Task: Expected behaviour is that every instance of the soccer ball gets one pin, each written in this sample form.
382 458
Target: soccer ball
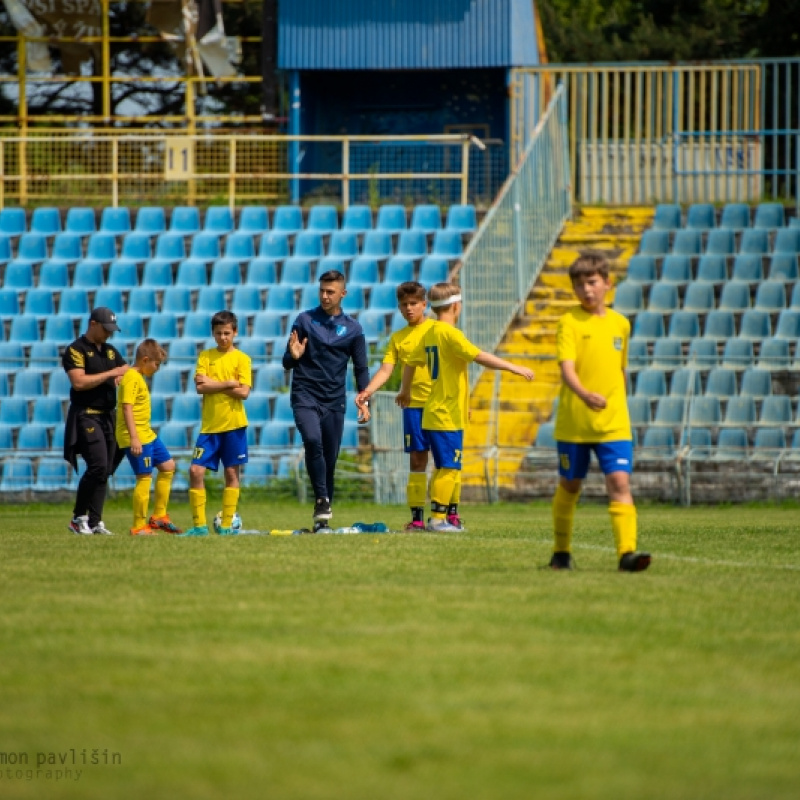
236 524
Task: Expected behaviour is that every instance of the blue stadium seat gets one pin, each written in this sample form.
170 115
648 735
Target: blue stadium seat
157 274
649 325
17 475
774 354
163 328
787 242
776 410
88 274
174 435
721 382
700 216
9 304
413 244
687 243
364 271
732 445
755 242
101 247
280 298
699 442
136 247
240 246
116 221
44 357
755 324
794 222
654 243
667 217
657 444
67 248
182 353
628 298
170 247
391 219
323 219
274 245
275 435
699 297
288 220
211 299
131 326
462 218
373 324
426 219
270 379
5 249
735 296
357 219
7 436
350 435
353 301
14 410
257 472
59 384
703 353
73 303
447 244
769 215
168 381
192 274
685 381
639 410
123 275
677 270
328 263
308 245
31 249
204 247
48 411
344 245
296 271
226 272
377 244
641 269
383 298
218 220
108 296
5 388
720 242
283 409
13 221
46 220
52 475
771 296
309 296
756 382
151 220
81 221
398 322
712 269
740 411
268 325
185 220
186 409
769 443
705 411
24 329
399 270
684 326
53 275
60 330
433 269
651 383
256 348
736 216
262 271
738 354
638 356
663 298
246 300
254 220
28 383
258 408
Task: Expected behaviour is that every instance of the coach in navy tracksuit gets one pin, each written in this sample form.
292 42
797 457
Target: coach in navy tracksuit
321 343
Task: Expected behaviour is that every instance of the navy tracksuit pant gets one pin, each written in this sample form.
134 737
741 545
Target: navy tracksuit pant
321 429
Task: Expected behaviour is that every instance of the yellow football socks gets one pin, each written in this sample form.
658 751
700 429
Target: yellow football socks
443 485
230 499
197 502
417 489
564 504
141 497
623 523
163 488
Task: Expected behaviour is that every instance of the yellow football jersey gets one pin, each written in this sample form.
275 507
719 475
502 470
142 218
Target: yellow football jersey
221 412
133 391
401 344
447 353
599 348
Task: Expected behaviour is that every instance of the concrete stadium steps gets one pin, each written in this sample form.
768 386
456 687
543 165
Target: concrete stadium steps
523 406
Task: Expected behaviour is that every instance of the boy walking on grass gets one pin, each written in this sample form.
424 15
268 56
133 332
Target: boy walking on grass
144 450
592 344
224 378
447 353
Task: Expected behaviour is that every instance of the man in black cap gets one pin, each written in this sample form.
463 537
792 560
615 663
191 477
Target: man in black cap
94 368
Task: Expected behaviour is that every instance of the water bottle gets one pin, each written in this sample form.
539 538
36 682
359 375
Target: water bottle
371 527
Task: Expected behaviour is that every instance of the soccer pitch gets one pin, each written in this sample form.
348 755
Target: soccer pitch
398 666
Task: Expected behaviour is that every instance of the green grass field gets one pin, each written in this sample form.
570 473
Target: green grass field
402 666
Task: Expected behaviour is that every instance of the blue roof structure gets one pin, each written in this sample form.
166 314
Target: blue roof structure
406 34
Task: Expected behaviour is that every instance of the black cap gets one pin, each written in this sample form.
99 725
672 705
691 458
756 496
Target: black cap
106 317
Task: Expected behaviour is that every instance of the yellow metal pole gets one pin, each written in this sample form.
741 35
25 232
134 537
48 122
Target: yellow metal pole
191 128
232 173
115 172
464 172
106 62
22 151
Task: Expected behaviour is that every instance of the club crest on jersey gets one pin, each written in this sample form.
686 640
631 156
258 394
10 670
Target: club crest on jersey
618 343
341 330
110 355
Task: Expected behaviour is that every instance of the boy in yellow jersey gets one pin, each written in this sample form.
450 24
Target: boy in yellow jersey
137 440
447 353
412 302
592 343
224 378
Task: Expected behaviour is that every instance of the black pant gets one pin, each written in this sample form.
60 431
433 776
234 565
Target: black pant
97 445
321 429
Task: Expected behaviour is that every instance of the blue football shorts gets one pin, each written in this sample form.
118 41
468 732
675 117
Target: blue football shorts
230 447
447 448
573 458
415 440
153 453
